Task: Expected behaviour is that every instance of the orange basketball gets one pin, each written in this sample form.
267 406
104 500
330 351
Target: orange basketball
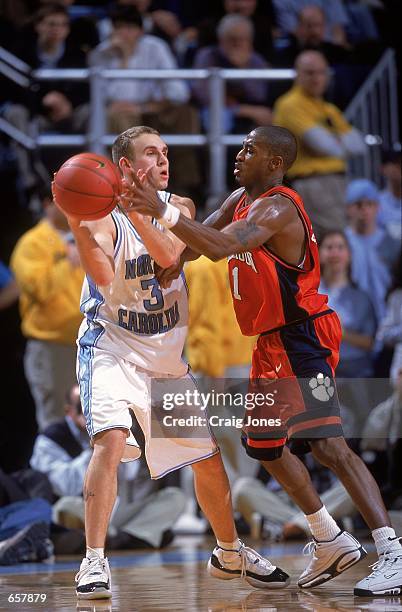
87 186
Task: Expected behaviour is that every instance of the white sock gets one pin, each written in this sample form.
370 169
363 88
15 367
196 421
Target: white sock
235 545
385 540
95 552
322 525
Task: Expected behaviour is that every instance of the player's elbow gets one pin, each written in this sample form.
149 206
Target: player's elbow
104 278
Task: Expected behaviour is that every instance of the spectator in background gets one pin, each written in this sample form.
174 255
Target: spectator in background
246 101
58 105
287 13
259 12
9 291
325 141
161 104
390 212
381 443
309 34
348 71
358 321
46 265
389 334
157 22
62 452
352 305
374 251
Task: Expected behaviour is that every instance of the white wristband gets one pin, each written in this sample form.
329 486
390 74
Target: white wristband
170 217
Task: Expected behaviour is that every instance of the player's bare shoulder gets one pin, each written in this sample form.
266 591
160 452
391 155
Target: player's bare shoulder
184 204
273 207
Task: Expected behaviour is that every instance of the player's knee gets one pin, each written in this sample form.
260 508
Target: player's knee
110 444
212 465
332 452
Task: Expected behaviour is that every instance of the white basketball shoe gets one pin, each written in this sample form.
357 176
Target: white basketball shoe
246 563
329 559
386 577
93 579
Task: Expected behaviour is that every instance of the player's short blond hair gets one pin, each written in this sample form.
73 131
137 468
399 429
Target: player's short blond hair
122 146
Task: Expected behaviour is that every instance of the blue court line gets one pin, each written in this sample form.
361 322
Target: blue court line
154 558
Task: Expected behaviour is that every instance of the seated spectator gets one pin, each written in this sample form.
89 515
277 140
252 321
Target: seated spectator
389 334
287 13
162 104
46 266
374 251
260 13
245 100
348 70
381 442
309 34
62 452
270 512
352 305
325 141
358 321
390 212
58 105
158 22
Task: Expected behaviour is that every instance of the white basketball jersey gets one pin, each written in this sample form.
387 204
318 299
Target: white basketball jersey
133 317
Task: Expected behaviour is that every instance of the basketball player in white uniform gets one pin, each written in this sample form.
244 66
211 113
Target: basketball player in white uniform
132 333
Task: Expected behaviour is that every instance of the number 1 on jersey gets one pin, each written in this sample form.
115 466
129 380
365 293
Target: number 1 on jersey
235 272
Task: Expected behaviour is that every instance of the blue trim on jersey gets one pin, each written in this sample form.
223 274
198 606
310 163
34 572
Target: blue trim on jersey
86 344
132 228
119 233
177 467
183 276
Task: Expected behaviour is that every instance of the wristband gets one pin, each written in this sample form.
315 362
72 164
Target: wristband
170 217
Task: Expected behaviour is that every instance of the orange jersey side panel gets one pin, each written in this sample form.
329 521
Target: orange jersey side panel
268 292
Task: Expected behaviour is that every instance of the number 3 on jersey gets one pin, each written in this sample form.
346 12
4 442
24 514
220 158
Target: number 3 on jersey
235 272
156 293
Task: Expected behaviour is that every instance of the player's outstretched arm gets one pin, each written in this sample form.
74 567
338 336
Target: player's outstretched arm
266 217
164 247
95 243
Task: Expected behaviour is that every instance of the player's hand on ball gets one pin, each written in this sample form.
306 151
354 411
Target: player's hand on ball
140 194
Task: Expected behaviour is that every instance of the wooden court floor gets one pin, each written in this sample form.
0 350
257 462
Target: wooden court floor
176 580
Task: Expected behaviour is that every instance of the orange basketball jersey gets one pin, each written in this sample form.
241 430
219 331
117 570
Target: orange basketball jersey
268 292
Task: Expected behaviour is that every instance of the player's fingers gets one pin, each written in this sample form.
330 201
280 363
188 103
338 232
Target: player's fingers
151 175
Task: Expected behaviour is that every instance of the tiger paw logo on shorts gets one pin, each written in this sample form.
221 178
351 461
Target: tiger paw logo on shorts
321 387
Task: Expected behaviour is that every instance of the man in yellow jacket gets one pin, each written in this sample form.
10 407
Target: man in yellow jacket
215 346
46 266
325 142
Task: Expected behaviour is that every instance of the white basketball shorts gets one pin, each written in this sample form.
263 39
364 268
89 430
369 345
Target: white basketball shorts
111 387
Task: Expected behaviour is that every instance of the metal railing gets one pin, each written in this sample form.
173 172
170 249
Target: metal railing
373 110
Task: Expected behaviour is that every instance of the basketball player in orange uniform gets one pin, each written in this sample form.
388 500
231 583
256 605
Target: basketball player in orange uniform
267 236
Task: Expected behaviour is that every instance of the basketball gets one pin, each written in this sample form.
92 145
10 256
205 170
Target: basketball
87 186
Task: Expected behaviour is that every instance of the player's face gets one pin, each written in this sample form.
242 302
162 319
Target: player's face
252 162
150 150
334 252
